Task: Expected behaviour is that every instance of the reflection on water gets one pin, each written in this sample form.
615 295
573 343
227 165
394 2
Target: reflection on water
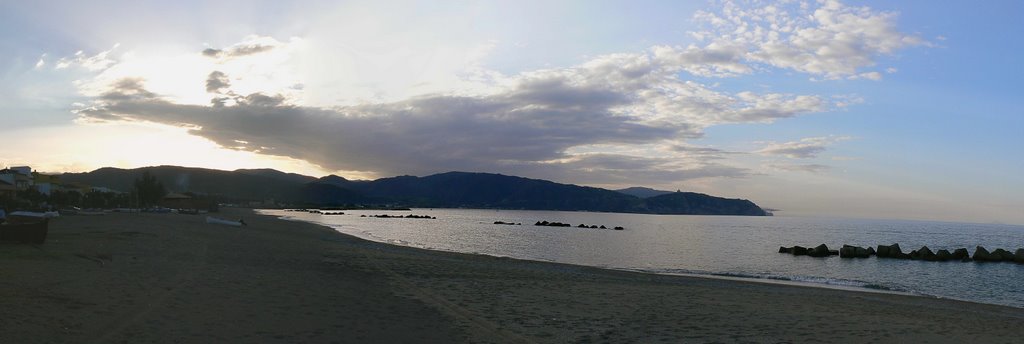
715 245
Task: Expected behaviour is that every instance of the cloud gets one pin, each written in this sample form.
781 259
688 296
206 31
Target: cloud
718 59
702 153
619 169
619 100
803 149
809 168
834 40
217 81
639 106
41 62
94 63
249 46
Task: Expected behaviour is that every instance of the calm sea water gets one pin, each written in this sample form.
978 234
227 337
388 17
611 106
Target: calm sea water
713 245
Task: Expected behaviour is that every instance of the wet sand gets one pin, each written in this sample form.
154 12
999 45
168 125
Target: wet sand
142 278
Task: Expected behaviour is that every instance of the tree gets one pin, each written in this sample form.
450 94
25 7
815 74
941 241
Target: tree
149 190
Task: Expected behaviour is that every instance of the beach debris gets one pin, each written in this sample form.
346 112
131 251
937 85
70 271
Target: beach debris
507 223
100 258
220 221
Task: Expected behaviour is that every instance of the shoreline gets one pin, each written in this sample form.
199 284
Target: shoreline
174 278
708 275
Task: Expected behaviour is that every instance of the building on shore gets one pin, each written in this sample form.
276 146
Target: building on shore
20 177
45 183
7 190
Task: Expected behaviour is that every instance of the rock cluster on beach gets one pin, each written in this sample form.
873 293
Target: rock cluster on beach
924 253
410 216
559 224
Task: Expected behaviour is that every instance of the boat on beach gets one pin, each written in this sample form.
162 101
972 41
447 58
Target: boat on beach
25 227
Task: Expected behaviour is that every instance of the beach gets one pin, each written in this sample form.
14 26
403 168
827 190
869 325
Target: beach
141 278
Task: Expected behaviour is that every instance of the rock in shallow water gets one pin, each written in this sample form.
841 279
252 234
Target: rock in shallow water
926 253
1002 255
847 251
882 251
981 255
819 251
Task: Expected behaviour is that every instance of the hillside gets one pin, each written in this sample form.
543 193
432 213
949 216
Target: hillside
642 192
229 185
445 190
691 203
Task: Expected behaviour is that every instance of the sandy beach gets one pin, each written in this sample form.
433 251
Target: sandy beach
143 278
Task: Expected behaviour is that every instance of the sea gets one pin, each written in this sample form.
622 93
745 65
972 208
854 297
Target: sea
743 247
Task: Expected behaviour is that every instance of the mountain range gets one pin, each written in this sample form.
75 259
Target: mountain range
444 190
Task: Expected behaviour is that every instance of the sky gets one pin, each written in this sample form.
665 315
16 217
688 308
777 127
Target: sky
864 109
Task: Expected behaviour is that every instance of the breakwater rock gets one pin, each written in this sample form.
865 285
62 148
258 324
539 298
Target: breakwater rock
924 253
559 224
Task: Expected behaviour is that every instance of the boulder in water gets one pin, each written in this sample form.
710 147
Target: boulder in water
799 251
943 255
871 251
926 254
784 249
981 255
1002 255
961 254
847 251
819 251
1018 257
882 251
893 251
861 252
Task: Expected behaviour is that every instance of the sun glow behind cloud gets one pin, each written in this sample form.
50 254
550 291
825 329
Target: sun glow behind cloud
130 145
337 99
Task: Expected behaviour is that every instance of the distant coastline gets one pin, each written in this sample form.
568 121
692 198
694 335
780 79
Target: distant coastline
269 188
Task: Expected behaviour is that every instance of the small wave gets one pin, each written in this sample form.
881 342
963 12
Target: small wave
813 281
